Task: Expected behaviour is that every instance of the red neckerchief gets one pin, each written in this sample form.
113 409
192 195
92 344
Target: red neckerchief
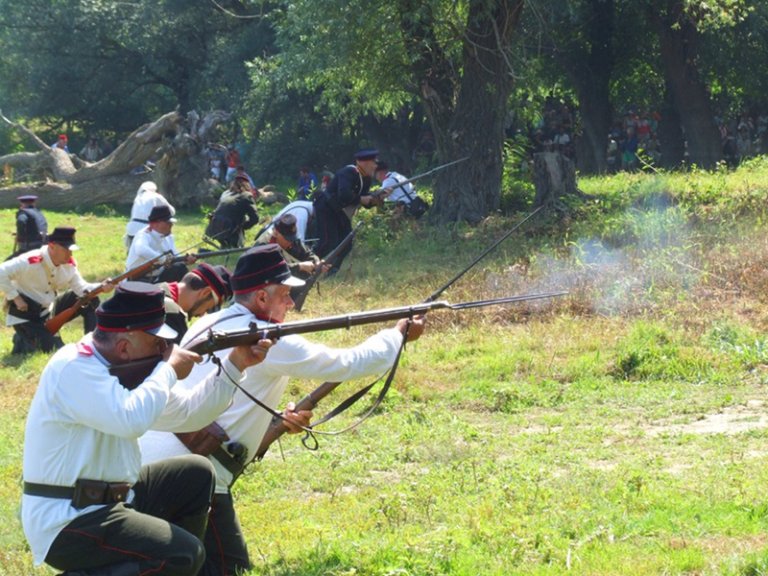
173 290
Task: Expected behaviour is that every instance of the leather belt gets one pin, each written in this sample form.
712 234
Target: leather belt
83 493
49 490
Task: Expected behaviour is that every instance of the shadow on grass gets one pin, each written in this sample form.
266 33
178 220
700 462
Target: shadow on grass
14 360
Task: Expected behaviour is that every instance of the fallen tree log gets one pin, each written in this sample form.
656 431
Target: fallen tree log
176 145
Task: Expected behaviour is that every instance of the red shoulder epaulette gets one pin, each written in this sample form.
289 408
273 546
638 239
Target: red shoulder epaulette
72 261
84 349
35 259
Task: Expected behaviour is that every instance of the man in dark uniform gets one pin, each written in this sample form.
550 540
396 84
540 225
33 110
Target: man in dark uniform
199 291
31 226
235 213
334 207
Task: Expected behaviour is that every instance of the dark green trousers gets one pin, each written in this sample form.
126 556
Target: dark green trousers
160 532
225 549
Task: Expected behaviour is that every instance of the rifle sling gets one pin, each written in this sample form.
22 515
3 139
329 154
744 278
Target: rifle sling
362 392
225 459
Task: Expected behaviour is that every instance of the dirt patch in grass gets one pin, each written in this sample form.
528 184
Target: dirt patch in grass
730 420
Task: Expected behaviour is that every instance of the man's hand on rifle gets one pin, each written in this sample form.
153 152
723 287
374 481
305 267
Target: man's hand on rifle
249 354
107 286
375 199
307 267
180 359
21 304
294 420
416 329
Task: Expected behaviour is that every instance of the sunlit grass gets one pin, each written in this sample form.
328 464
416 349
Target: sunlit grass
564 437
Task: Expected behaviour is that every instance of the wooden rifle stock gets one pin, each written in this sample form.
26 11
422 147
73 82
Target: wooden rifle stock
277 427
301 295
54 324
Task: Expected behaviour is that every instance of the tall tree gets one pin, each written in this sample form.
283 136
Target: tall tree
676 26
581 37
451 57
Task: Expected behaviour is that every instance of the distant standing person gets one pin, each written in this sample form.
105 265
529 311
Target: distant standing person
61 143
147 197
308 184
349 188
234 214
31 225
91 151
232 159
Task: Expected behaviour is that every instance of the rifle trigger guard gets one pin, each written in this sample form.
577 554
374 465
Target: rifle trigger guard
314 445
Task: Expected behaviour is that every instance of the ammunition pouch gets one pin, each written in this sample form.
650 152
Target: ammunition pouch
417 207
90 492
205 441
34 312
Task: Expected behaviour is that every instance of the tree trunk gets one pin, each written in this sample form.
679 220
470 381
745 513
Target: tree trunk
592 76
554 176
671 137
475 125
677 40
177 144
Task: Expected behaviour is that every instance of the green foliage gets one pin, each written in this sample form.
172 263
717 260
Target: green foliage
739 342
115 65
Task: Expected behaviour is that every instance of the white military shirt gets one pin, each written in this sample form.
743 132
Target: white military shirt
303 210
83 423
391 180
147 198
295 356
35 275
148 244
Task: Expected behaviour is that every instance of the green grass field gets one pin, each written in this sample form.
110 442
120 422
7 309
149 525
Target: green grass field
620 430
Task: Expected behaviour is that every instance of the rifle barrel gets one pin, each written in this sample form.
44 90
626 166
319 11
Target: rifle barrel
219 340
485 253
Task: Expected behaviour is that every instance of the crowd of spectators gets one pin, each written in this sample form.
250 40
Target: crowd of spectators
743 136
633 138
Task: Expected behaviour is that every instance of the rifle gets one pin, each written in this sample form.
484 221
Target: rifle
303 292
54 324
428 172
210 253
133 373
277 427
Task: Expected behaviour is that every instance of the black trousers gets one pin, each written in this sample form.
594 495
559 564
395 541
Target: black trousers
225 548
32 336
332 227
159 533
